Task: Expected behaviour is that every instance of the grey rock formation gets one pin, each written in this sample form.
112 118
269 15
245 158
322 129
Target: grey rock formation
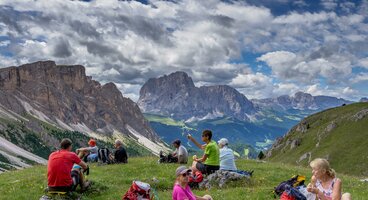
60 93
175 95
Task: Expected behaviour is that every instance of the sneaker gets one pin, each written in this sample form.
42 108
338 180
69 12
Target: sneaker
86 185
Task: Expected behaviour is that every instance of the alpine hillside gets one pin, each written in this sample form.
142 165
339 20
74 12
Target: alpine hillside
338 134
42 102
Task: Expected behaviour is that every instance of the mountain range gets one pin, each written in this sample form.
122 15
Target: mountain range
224 110
41 101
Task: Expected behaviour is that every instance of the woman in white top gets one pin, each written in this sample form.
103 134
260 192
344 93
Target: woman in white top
227 160
324 182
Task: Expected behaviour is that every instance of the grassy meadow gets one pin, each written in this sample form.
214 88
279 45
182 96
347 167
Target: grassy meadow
112 181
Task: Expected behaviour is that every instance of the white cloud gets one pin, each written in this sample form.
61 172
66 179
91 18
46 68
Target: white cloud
363 62
340 92
359 78
128 42
288 66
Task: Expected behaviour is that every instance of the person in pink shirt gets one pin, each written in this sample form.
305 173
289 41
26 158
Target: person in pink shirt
181 190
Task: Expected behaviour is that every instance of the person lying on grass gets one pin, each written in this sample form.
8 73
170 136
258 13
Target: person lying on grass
181 190
324 182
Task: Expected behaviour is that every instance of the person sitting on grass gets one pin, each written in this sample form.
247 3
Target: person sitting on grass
120 154
90 153
59 168
210 161
324 182
180 155
227 160
181 190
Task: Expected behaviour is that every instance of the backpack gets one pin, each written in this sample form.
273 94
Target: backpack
103 155
294 181
138 191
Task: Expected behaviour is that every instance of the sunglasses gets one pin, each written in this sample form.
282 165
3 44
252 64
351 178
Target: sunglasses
184 175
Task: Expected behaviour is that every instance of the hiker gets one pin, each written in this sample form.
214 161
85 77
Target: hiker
180 155
180 152
181 190
120 154
90 153
59 168
227 160
324 182
210 161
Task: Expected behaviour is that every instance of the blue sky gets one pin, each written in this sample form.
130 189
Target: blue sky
263 48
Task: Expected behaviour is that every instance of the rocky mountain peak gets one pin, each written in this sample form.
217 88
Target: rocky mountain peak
175 95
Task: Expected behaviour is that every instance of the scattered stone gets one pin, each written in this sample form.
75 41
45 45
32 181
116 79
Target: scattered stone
360 115
295 143
331 127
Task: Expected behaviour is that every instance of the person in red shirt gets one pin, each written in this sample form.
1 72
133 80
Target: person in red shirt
59 167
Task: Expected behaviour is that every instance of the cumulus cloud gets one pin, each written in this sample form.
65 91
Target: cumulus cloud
128 42
288 66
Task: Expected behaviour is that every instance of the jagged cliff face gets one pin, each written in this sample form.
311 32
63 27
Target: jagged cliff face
65 97
175 95
300 101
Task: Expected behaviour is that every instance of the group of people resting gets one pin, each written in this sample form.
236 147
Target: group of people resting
64 163
324 183
215 157
60 166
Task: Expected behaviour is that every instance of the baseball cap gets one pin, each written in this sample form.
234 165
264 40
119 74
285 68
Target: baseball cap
223 141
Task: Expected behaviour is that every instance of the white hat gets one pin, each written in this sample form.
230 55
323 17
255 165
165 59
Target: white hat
223 141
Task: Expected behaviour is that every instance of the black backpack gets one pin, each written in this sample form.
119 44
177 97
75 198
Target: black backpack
103 155
295 181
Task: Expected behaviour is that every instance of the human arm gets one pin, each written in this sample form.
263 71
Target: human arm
195 142
83 165
201 198
336 191
203 159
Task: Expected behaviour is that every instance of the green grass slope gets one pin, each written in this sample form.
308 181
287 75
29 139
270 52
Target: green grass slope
339 134
112 181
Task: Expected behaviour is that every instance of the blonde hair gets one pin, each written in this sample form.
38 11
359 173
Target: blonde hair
321 163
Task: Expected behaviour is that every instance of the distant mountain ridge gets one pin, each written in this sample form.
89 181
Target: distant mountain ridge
64 97
300 101
175 95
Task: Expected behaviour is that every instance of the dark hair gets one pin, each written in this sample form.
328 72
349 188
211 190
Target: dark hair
207 133
65 143
178 142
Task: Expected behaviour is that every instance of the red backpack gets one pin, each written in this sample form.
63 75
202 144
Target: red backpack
138 191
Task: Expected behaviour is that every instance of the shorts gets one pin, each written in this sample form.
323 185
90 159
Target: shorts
207 169
92 157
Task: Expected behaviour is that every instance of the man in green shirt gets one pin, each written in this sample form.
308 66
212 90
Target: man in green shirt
210 161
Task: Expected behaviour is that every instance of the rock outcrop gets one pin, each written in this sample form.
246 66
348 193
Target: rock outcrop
63 95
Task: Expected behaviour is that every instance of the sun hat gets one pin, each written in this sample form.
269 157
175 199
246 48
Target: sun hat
182 170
